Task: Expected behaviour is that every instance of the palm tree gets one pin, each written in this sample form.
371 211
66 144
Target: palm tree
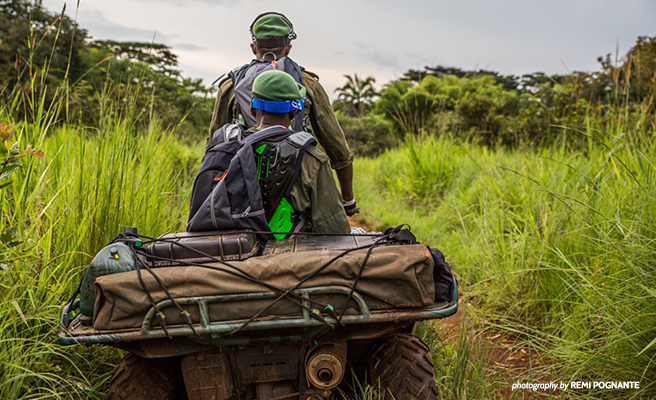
357 92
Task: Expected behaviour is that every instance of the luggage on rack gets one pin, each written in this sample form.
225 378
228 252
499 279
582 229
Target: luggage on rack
394 277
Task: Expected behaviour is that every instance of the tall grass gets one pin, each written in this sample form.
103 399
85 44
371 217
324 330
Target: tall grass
553 245
63 209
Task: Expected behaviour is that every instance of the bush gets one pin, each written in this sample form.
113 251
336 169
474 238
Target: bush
368 136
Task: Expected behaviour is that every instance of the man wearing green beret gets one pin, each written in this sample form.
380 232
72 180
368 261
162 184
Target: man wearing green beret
271 35
277 99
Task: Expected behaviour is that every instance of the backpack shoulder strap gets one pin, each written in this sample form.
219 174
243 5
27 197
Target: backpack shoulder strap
238 73
300 140
227 133
266 134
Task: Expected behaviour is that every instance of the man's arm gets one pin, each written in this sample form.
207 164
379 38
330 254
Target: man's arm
345 178
315 194
329 134
328 214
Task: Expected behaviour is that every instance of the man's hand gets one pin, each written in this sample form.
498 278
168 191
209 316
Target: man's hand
350 207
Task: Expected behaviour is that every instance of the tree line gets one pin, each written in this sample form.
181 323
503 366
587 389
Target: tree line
102 78
494 109
99 78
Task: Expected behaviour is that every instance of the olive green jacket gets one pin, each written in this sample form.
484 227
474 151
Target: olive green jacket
324 124
315 194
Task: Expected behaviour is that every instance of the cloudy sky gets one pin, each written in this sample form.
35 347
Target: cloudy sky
381 38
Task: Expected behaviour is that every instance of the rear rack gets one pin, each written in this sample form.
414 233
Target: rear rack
217 328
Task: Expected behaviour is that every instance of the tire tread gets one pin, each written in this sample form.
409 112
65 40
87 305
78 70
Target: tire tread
402 367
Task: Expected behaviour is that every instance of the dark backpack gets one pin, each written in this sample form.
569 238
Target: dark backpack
238 170
442 277
242 81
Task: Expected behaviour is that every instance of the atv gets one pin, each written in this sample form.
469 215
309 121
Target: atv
217 315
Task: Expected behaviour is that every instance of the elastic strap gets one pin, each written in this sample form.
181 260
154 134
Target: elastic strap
277 106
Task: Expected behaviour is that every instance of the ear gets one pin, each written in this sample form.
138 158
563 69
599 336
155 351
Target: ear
292 114
254 112
287 49
254 49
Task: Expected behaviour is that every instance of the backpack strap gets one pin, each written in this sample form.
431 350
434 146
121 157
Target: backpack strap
228 133
266 134
302 140
285 217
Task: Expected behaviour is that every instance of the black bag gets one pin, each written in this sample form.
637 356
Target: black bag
442 277
227 193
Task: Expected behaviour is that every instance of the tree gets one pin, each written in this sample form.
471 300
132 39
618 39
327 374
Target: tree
360 93
31 38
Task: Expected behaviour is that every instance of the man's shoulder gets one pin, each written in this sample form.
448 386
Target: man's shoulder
313 161
311 82
310 75
315 91
317 154
225 85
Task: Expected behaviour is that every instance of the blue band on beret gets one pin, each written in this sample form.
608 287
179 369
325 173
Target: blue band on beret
279 107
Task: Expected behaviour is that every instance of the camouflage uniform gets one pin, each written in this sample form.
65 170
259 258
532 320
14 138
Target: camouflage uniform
325 127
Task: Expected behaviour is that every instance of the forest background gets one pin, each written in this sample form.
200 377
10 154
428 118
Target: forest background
540 190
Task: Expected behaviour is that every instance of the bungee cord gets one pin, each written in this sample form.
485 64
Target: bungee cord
391 236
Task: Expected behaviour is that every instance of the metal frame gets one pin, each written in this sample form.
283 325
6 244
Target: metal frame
215 329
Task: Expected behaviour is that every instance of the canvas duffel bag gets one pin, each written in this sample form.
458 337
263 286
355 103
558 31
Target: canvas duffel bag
394 277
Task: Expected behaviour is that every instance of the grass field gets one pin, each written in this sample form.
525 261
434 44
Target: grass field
56 213
553 247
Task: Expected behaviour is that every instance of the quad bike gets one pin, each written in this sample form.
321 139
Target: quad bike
218 316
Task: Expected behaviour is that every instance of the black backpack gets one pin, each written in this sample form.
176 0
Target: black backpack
245 181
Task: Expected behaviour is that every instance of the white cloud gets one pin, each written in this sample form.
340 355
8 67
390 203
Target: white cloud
383 38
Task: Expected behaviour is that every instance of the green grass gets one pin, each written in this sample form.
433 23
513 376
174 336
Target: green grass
553 246
62 210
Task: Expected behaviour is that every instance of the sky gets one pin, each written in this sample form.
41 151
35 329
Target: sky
382 38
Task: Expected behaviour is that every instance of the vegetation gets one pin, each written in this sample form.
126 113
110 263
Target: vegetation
540 191
67 189
487 108
357 94
94 74
554 247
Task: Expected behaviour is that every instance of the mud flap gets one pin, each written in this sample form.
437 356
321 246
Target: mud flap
207 375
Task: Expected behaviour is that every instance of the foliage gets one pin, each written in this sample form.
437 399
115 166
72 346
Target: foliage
55 215
466 106
57 212
554 246
31 37
367 136
407 106
37 45
357 94
144 73
534 109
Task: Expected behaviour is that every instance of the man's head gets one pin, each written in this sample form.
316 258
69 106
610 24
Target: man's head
277 97
272 34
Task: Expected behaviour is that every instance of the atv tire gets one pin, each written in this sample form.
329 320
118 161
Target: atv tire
401 367
144 378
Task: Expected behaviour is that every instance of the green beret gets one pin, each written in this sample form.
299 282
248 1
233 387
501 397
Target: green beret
277 85
272 25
